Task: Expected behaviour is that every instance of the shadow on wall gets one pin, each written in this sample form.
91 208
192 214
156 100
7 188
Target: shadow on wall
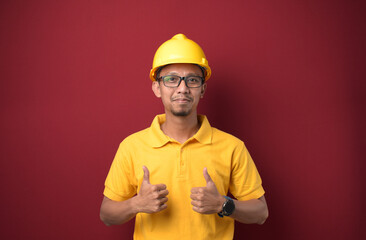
233 109
224 106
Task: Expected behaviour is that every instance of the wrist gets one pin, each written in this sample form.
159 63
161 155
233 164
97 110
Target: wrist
134 204
228 207
221 202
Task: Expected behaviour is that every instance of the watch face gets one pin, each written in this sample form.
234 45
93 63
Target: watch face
229 207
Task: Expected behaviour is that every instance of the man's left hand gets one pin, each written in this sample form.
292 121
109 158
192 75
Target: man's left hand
207 200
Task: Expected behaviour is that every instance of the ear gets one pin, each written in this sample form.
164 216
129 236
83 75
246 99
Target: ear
203 89
156 88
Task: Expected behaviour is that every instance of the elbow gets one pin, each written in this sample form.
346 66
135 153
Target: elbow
264 217
107 223
110 220
104 219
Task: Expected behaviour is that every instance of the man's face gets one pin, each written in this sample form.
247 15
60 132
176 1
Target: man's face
181 100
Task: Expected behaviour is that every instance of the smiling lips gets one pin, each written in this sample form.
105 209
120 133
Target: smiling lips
182 99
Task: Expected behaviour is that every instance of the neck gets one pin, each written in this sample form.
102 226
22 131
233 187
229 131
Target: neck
180 128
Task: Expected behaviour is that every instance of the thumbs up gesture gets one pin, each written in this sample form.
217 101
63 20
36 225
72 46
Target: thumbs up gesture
207 200
151 198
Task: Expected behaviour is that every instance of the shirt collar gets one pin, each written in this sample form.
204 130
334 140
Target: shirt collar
204 134
159 139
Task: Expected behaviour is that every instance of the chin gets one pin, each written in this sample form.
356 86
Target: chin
181 113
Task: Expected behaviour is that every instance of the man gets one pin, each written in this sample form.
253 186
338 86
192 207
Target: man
174 177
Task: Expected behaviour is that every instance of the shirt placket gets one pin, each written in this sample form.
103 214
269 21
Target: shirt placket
182 163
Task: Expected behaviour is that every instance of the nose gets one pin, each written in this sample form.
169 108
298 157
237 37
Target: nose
182 88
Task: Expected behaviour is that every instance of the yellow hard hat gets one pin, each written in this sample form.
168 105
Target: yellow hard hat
179 49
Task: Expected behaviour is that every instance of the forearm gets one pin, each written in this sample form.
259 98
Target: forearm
115 213
251 211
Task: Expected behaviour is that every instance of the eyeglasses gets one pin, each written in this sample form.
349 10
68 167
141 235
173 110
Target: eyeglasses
173 81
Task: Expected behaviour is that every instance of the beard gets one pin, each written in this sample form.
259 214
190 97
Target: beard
181 113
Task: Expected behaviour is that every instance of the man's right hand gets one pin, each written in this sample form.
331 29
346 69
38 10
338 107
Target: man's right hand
151 198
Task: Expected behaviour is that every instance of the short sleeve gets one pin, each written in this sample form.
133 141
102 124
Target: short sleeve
245 181
120 183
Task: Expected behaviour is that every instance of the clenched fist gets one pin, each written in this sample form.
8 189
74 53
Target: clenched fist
151 198
207 200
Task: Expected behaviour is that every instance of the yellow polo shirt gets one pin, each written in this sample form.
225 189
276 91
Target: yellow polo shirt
180 167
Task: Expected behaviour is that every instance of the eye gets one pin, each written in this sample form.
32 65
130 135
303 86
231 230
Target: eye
194 79
171 79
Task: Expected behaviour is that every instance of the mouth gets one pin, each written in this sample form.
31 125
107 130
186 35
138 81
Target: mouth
182 99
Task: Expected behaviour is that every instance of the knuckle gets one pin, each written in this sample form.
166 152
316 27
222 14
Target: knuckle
163 193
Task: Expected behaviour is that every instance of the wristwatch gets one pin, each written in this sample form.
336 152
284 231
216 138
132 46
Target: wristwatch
227 208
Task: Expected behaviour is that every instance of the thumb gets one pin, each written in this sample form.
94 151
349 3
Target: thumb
146 175
207 176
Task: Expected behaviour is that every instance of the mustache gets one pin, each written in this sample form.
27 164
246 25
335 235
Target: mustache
182 97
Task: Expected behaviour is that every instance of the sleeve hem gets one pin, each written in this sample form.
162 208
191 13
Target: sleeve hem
111 195
254 195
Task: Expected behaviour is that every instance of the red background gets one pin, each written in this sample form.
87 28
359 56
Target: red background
288 79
